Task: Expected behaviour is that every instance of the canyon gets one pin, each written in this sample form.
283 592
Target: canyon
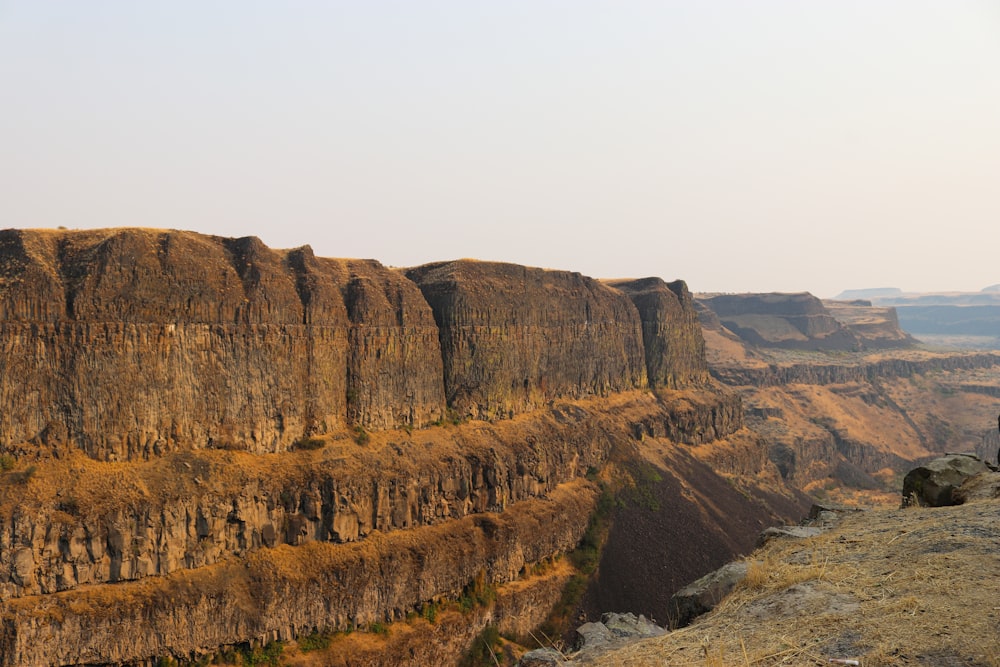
206 443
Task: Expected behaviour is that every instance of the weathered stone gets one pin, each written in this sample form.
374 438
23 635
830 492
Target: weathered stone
592 635
793 532
671 333
791 321
542 657
933 484
630 626
137 342
701 596
513 337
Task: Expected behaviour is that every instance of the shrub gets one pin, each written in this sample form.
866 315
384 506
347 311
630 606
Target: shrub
309 443
361 435
314 641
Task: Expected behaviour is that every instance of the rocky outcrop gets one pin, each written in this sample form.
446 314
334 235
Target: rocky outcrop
821 374
671 333
283 593
876 327
700 596
137 342
188 511
793 321
514 337
695 416
935 483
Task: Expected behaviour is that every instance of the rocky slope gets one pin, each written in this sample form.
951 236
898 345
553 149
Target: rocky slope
790 321
884 588
877 327
836 419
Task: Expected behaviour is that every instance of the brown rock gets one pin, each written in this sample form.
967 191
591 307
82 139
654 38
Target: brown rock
671 332
514 337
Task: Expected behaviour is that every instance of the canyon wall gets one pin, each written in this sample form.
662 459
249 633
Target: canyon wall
514 337
133 343
671 332
283 593
88 525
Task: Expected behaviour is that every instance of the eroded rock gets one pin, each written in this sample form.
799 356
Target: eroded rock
934 484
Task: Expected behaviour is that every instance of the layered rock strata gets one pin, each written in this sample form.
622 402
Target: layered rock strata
132 343
186 511
793 321
283 593
671 332
513 337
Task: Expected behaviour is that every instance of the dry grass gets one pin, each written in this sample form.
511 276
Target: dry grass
885 587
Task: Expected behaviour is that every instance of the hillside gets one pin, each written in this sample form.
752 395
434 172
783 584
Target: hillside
884 587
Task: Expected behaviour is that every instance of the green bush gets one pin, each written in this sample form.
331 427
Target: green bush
314 641
309 443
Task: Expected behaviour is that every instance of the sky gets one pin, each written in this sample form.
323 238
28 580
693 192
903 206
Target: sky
741 146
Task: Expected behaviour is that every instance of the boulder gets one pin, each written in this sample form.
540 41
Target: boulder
592 635
794 532
542 657
630 626
933 484
701 596
984 486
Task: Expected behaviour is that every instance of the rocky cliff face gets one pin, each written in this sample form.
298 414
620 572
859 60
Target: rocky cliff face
671 333
186 511
206 441
137 342
794 321
513 337
278 594
876 327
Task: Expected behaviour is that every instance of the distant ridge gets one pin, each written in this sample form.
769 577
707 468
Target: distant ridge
869 293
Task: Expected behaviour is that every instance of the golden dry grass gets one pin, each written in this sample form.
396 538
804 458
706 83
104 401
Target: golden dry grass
885 587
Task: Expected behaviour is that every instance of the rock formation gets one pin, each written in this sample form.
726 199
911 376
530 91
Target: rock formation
877 327
793 321
137 342
514 337
671 333
205 441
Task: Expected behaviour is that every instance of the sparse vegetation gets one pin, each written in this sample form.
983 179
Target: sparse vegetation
484 649
315 641
361 436
309 443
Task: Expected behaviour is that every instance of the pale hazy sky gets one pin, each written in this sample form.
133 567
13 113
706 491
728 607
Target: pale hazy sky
742 145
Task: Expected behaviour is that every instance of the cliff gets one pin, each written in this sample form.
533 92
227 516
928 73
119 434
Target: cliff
514 337
138 342
205 441
877 327
791 321
671 333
